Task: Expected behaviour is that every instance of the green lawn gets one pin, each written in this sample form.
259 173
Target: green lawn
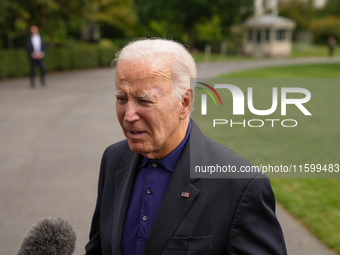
312 51
298 51
199 57
315 201
298 71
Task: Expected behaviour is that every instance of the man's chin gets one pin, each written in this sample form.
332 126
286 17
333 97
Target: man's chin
137 147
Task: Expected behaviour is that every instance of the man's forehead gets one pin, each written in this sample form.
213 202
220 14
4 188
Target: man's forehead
147 87
142 78
145 67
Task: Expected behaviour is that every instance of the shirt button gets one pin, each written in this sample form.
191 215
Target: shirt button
145 218
148 191
154 164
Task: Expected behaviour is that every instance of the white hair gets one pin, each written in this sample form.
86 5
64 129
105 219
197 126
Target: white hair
182 64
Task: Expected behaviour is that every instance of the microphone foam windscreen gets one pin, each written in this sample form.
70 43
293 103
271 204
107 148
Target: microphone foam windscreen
49 236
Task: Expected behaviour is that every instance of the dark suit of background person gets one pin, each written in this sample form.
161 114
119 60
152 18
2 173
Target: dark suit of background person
220 216
36 55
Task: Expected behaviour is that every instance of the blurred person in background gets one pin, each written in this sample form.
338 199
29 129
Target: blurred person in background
331 45
35 47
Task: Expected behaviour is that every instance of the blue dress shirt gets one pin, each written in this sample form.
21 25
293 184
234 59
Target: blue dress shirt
151 182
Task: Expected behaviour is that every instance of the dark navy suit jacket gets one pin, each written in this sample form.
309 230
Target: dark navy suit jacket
220 216
29 46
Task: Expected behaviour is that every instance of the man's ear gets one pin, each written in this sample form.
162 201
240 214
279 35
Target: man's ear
186 104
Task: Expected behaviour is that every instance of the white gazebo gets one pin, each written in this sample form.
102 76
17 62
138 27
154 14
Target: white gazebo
268 35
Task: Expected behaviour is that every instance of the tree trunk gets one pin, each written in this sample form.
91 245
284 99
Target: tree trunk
190 32
52 43
9 41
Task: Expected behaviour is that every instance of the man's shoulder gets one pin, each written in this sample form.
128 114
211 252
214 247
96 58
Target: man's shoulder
204 150
118 149
118 155
210 159
218 150
205 147
237 173
119 145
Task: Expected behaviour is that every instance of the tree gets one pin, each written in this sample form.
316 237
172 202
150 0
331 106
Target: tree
234 12
332 7
300 11
13 21
118 14
183 16
57 17
51 16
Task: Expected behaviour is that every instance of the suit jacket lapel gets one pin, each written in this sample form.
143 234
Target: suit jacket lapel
173 207
124 180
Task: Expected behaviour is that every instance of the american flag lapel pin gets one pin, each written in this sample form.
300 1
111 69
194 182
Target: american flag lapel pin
185 194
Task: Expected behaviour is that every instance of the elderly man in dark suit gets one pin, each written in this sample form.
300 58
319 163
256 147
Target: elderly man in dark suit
35 47
147 203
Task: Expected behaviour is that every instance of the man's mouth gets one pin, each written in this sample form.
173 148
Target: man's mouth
136 132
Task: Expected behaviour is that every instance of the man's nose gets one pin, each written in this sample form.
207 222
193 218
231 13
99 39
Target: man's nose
131 112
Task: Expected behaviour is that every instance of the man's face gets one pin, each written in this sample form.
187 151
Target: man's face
34 30
152 121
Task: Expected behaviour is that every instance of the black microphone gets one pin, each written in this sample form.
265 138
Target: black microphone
49 236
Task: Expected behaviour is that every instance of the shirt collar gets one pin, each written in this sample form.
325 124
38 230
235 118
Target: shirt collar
35 36
169 161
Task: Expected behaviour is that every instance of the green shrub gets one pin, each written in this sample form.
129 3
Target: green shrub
4 58
15 62
106 55
84 57
22 60
57 59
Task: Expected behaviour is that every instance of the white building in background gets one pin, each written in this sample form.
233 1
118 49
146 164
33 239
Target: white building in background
268 35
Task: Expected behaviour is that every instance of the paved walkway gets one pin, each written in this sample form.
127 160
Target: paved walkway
52 140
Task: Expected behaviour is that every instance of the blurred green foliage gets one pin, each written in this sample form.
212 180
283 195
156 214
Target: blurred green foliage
196 23
332 7
327 22
299 11
324 28
322 22
114 16
61 21
191 19
15 62
57 19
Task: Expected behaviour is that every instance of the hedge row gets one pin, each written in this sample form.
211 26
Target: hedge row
15 62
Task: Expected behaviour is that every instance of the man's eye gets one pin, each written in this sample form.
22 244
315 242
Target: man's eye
121 99
145 102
